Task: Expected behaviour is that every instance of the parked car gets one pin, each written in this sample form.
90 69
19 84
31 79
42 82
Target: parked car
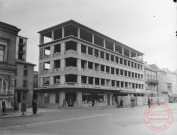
158 100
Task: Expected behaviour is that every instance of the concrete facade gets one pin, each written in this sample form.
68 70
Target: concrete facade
86 67
8 34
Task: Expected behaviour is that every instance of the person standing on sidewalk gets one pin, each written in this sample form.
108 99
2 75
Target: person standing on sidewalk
3 106
64 103
34 106
23 107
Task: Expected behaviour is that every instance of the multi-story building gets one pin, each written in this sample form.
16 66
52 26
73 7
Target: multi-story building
151 82
8 34
24 73
86 67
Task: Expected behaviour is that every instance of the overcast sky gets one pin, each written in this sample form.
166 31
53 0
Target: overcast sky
146 25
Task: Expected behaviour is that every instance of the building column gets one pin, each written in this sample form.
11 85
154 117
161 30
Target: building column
61 97
111 95
51 50
62 48
79 80
104 44
51 80
62 80
79 48
79 64
62 63
41 39
78 32
63 32
130 54
53 35
51 66
114 47
122 51
79 99
93 38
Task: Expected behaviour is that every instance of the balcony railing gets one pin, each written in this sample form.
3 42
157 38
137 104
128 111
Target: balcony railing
71 52
71 84
56 54
46 56
152 81
71 68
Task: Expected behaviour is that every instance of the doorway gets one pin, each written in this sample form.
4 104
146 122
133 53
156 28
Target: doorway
70 98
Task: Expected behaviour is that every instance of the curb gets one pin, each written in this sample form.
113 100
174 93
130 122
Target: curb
17 116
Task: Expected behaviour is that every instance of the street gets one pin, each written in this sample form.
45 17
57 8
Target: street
97 121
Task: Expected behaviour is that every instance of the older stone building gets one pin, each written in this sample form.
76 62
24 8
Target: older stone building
151 82
86 68
8 34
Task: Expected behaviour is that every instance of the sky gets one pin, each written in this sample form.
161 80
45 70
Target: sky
148 26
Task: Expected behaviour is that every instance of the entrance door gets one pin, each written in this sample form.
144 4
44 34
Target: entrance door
70 98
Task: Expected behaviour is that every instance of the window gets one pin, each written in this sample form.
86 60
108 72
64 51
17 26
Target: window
3 84
2 51
24 83
56 79
46 80
25 73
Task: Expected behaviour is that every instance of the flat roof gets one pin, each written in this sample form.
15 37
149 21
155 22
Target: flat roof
87 28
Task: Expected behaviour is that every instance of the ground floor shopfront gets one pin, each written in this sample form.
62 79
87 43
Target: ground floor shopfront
79 97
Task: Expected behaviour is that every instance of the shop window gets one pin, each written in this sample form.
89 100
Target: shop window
86 97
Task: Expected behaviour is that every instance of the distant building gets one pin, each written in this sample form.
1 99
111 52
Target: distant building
164 86
151 81
86 68
8 34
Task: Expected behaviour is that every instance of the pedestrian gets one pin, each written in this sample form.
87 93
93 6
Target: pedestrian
149 102
121 103
34 106
64 103
118 103
132 102
3 106
23 107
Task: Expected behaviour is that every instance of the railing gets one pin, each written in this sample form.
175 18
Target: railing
57 54
152 80
71 84
71 52
71 68
46 56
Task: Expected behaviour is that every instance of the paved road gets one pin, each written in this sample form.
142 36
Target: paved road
124 121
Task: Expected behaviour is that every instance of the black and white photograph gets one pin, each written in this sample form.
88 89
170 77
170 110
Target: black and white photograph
88 67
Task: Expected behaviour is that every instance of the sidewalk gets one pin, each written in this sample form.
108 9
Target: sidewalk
42 111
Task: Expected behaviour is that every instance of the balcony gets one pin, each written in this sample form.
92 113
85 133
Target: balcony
74 52
56 54
154 81
71 84
46 56
71 68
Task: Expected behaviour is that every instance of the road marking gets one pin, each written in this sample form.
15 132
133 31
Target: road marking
54 121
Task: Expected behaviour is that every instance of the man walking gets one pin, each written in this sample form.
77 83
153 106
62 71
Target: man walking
34 106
